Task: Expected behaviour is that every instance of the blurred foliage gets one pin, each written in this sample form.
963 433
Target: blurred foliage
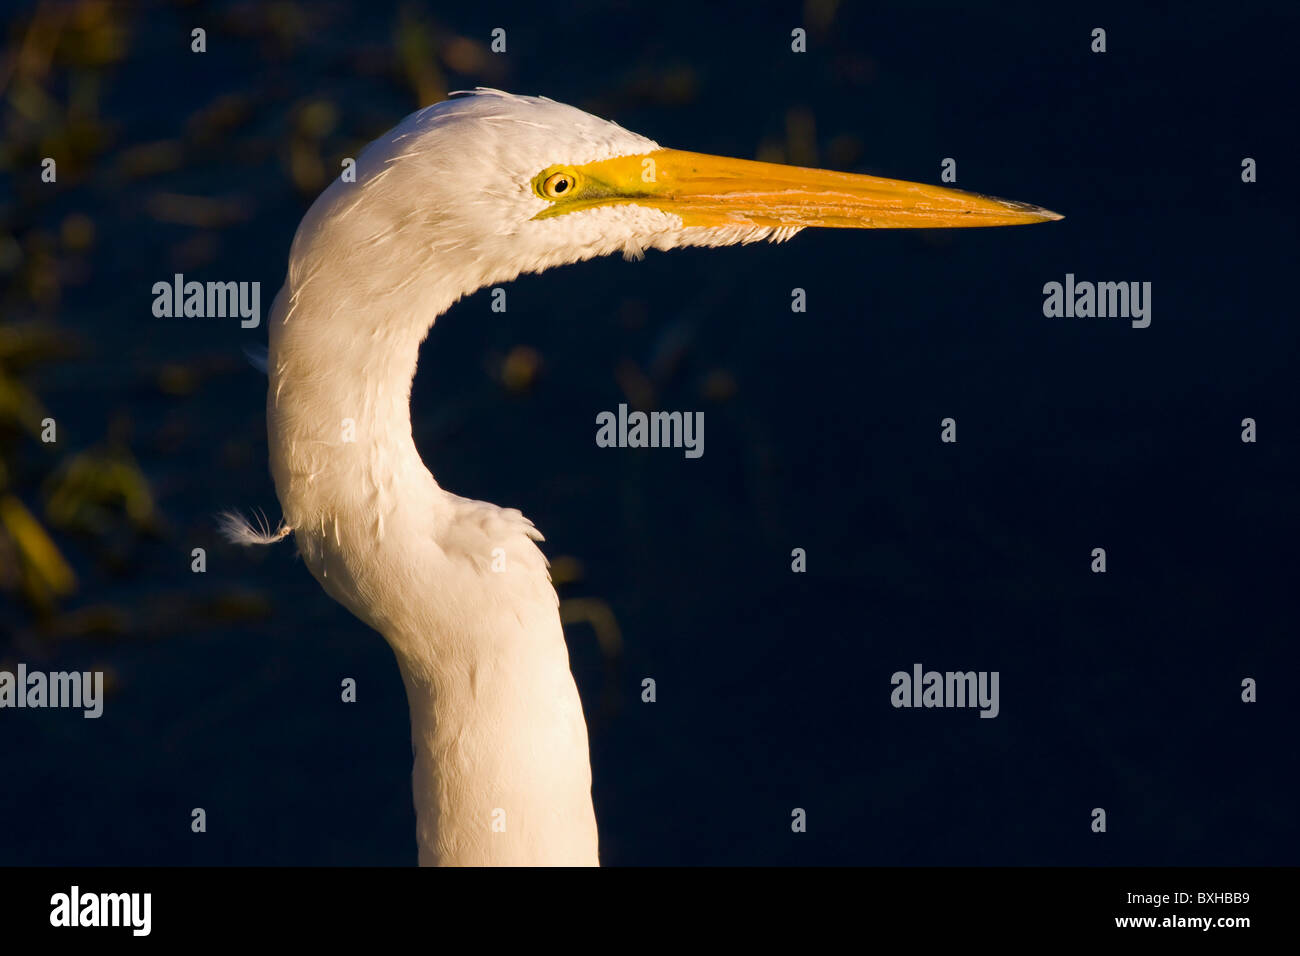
52 71
76 506
51 76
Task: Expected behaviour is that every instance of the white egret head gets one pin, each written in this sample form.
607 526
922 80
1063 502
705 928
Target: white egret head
519 184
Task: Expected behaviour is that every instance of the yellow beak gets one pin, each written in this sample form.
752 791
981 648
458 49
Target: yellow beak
715 191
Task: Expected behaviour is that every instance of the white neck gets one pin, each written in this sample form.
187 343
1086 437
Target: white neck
457 587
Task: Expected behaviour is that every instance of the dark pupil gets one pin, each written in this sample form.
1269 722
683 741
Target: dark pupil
561 185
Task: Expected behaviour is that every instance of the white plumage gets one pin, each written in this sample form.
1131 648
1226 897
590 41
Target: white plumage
451 200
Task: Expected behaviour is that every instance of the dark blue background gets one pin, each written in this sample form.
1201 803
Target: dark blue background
1119 691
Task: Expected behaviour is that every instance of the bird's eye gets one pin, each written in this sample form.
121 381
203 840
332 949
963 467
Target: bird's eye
558 185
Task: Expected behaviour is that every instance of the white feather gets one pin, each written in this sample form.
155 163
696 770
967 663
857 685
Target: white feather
237 529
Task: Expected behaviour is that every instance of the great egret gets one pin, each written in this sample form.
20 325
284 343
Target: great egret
466 193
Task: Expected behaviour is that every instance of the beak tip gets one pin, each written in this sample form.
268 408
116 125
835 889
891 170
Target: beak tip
1038 213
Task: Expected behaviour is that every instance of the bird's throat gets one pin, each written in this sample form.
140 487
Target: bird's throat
457 587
